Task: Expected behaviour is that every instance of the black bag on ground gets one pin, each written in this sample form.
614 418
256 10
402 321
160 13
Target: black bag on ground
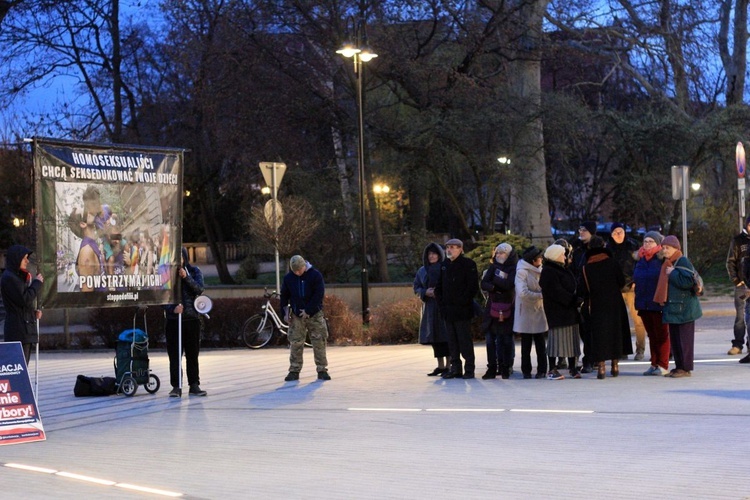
94 386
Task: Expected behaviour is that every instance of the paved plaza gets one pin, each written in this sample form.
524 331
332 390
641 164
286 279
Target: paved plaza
383 429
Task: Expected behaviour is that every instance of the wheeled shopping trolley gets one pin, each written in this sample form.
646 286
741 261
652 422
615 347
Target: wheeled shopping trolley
131 360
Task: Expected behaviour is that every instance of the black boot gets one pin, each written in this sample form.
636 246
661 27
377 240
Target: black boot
491 373
505 372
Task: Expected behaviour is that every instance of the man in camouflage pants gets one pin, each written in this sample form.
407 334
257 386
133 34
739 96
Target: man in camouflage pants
302 292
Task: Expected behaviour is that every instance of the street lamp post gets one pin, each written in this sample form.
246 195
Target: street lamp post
358 50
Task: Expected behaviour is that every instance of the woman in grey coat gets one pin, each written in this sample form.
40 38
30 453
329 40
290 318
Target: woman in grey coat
432 328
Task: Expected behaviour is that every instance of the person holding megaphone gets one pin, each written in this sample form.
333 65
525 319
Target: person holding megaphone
191 286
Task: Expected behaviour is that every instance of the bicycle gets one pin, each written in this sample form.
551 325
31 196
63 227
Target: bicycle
258 330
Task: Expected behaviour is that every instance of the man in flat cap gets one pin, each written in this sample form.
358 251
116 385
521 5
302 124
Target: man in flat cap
455 291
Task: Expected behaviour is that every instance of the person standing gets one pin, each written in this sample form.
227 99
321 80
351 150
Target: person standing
610 330
736 257
578 260
529 320
499 283
431 327
456 289
625 251
645 277
191 286
20 294
561 310
302 292
674 291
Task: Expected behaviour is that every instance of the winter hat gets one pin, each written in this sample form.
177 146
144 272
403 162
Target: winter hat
555 252
503 248
616 225
531 254
455 241
297 262
589 225
747 221
672 241
654 235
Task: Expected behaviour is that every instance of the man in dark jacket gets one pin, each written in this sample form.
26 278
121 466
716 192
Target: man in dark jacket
738 254
302 294
624 251
456 289
191 286
20 294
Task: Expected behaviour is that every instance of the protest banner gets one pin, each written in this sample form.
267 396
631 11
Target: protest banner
109 223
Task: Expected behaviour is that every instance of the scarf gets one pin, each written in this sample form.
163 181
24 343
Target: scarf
660 297
644 253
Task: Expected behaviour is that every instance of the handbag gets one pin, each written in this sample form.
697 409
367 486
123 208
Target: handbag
501 310
697 280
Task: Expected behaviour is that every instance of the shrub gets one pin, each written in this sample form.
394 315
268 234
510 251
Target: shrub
482 253
344 327
108 323
396 322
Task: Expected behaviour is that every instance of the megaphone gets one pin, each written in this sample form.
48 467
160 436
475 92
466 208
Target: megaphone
203 304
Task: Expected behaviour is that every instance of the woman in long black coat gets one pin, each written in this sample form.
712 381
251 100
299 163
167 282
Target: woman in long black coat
610 330
20 294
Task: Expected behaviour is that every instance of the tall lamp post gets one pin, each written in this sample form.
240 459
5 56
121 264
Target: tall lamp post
357 49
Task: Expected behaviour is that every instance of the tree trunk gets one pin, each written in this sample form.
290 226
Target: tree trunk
734 63
343 176
213 236
529 212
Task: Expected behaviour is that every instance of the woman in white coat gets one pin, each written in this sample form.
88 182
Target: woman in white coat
530 321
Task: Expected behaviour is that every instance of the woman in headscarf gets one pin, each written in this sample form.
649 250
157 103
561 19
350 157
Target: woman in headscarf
432 328
20 293
561 309
499 282
529 320
674 291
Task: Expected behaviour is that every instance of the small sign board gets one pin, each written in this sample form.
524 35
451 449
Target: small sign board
267 169
268 210
20 421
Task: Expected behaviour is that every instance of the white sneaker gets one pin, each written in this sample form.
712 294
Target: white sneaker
664 372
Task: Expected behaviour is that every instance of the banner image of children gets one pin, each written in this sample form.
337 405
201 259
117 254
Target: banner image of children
107 244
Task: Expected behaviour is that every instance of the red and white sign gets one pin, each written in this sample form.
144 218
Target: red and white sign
20 421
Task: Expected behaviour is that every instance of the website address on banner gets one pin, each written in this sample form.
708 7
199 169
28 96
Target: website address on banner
119 297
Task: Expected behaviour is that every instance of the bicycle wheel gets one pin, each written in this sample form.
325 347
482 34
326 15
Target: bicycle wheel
253 335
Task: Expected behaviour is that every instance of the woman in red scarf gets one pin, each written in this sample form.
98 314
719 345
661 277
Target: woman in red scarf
646 276
674 291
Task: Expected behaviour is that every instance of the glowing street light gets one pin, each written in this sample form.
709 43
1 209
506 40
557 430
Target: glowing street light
358 50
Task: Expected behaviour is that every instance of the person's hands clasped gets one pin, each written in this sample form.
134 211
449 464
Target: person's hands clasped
303 314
